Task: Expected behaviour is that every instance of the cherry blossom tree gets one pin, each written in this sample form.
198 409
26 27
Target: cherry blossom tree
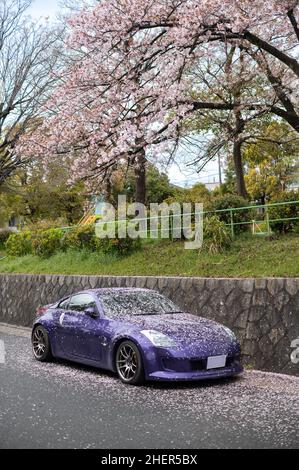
228 78
131 86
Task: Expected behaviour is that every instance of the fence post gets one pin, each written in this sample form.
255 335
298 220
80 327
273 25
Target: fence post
171 226
268 222
232 223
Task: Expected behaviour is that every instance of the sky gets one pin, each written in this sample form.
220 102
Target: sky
179 175
44 8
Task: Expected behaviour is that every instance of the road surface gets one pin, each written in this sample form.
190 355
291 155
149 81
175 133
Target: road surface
64 405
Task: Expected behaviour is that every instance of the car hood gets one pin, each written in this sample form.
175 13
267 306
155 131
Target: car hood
183 327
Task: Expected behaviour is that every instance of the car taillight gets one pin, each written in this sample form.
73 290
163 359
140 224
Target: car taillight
41 311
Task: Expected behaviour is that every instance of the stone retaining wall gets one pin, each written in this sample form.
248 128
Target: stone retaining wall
264 313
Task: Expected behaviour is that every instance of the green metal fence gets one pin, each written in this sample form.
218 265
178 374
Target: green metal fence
254 208
232 224
252 222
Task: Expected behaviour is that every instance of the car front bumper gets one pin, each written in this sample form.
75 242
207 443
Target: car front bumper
191 363
163 375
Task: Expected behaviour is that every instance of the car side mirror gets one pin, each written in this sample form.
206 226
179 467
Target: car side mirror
91 312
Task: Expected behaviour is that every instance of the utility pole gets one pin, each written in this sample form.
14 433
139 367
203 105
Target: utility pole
219 169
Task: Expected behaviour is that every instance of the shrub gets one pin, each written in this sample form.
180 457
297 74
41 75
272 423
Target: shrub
4 236
19 244
228 201
217 237
80 237
117 245
284 212
48 242
85 238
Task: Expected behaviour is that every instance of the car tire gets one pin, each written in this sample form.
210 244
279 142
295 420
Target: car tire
41 346
129 364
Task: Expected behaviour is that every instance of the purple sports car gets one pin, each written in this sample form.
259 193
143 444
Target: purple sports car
137 333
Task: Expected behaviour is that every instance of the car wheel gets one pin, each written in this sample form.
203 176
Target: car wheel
129 364
41 344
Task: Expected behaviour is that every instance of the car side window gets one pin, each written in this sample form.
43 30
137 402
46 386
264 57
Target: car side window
81 302
64 304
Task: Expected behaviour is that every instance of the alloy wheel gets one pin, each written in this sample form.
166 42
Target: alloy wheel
127 362
39 343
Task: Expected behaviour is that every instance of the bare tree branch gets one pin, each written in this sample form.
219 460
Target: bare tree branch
29 55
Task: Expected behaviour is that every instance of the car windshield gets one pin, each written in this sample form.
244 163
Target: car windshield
118 304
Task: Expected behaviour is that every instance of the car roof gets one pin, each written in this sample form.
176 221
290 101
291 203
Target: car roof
107 290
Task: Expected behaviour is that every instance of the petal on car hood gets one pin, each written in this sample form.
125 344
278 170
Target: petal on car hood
182 327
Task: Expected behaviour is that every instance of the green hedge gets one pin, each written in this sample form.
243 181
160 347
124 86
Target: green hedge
119 246
19 244
230 201
80 237
284 212
47 242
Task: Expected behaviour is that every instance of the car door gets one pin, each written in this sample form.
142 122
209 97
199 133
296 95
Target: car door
79 332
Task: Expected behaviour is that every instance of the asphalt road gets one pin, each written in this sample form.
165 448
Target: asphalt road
63 405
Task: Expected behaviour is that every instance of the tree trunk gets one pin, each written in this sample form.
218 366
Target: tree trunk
108 189
140 175
237 153
239 123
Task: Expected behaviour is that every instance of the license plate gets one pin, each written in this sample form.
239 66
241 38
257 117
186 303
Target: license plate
216 361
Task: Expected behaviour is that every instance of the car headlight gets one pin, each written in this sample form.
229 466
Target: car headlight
230 333
159 339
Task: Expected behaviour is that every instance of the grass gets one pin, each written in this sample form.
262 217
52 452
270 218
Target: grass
248 257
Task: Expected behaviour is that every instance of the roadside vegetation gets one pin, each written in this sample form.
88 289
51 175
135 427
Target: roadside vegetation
248 256
40 249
